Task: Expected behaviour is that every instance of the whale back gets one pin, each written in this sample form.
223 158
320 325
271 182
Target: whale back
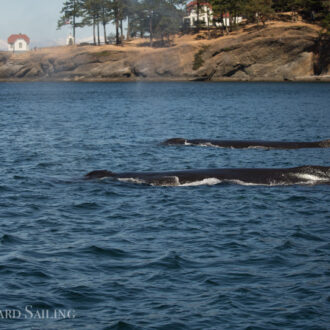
248 143
175 141
99 174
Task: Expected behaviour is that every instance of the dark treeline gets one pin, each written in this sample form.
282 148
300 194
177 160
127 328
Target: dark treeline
262 10
153 18
160 19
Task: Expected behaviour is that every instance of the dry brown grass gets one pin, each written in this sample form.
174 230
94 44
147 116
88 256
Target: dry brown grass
134 45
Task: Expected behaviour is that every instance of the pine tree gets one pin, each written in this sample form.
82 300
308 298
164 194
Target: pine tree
105 16
223 7
71 10
259 10
91 16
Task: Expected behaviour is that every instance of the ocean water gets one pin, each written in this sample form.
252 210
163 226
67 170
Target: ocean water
100 254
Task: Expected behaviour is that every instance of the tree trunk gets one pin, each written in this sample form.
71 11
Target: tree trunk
105 33
222 22
121 30
208 23
198 10
74 29
150 30
128 33
117 28
104 24
94 37
98 33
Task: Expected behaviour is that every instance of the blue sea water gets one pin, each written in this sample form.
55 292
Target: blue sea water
114 255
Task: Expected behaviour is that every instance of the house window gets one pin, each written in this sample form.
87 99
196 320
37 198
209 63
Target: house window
20 45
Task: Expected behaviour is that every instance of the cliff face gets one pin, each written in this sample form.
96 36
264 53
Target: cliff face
283 53
280 52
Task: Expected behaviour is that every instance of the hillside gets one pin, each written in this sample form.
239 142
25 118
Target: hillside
280 51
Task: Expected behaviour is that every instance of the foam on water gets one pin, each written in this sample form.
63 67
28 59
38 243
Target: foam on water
243 183
259 147
205 144
208 181
172 181
132 180
311 177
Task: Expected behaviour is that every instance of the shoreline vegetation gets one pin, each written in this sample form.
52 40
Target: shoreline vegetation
277 51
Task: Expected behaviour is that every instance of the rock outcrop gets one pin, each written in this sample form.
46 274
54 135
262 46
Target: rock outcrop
278 52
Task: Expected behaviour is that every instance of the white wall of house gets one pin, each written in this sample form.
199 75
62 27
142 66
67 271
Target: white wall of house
20 45
206 18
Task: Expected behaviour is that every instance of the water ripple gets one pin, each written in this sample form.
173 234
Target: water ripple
126 256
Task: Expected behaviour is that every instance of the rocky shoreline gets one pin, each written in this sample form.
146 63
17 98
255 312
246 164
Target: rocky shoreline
278 52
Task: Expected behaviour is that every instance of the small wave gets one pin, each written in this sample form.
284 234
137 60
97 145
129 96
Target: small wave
80 293
285 245
121 325
307 236
37 273
87 205
113 252
46 164
10 239
170 261
42 304
5 188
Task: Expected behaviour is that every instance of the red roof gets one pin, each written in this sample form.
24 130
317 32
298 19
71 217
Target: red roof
14 37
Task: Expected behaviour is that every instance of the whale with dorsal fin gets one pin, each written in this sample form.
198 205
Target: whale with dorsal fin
245 176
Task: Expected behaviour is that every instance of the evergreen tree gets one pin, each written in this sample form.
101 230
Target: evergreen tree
169 21
105 16
71 10
259 10
139 21
221 8
91 16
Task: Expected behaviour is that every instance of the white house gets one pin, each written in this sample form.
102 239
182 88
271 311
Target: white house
18 43
70 40
206 15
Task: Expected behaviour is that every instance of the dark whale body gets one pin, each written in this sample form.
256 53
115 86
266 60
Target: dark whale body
248 144
250 176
